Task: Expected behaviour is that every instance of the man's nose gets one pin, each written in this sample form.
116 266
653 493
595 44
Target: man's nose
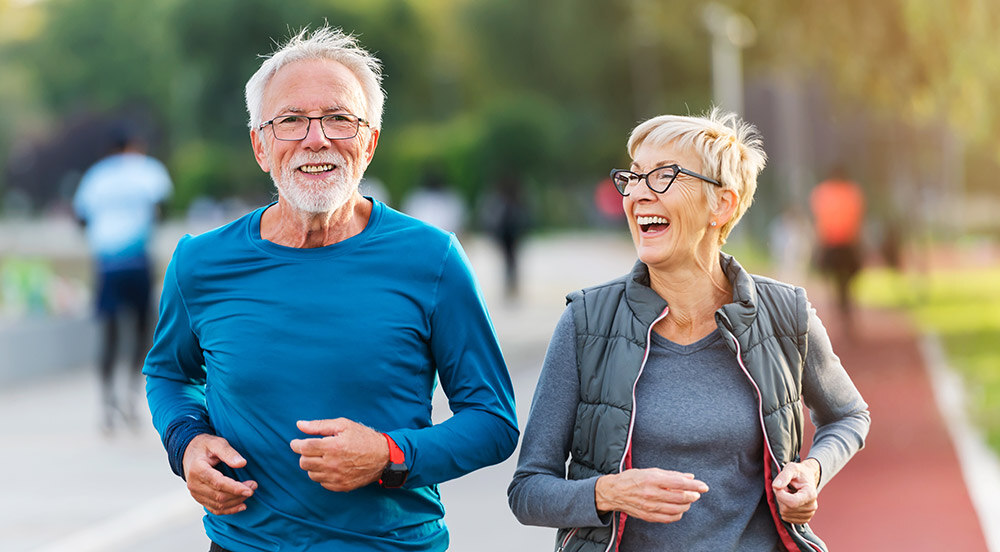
315 139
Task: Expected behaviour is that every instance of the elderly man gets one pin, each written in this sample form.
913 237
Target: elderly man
298 347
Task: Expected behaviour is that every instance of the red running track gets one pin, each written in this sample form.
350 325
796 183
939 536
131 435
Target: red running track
904 491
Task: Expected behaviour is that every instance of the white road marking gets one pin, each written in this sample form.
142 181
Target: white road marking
129 527
980 465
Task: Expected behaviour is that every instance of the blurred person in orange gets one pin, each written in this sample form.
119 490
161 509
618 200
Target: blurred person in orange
117 202
838 208
668 414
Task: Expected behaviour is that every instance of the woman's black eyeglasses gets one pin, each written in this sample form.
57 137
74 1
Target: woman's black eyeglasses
658 179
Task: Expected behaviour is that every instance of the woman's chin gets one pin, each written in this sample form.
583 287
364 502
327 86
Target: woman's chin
652 255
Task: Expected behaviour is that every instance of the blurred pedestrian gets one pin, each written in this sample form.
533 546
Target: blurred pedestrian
298 347
118 201
507 218
435 203
838 207
790 244
608 203
674 392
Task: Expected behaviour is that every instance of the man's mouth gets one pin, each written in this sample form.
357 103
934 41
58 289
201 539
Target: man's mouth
317 169
652 224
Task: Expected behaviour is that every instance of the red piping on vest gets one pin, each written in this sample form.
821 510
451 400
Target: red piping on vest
769 461
626 462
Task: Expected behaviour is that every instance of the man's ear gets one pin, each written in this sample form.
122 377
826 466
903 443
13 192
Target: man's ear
372 144
257 143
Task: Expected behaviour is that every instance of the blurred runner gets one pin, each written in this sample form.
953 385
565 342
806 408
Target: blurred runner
789 242
506 215
838 207
117 202
437 204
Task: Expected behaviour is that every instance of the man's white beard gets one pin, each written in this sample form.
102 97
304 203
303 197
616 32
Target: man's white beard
313 196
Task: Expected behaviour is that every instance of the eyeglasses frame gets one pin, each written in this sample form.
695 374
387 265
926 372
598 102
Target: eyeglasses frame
357 127
677 170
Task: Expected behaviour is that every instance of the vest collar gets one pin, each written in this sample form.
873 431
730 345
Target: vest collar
742 311
645 303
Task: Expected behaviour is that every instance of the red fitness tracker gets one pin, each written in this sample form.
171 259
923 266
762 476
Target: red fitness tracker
394 475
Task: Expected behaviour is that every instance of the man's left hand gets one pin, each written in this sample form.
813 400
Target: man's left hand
348 455
795 490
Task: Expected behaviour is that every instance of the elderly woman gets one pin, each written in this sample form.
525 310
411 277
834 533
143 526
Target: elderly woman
675 392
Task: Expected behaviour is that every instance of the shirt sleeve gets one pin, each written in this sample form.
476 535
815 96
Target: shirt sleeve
540 494
483 427
837 409
175 373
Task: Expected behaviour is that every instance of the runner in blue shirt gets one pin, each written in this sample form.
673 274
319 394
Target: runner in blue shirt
298 347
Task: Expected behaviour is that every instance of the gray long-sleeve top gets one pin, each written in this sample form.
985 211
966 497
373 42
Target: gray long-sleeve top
695 412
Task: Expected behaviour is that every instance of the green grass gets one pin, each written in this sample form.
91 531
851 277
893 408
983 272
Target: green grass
962 306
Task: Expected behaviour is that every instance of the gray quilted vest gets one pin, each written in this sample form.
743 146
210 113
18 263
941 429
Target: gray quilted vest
767 324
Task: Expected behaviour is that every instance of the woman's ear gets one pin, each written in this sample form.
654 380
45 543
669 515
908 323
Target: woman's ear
725 207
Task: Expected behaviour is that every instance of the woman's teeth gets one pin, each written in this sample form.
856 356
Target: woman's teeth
646 221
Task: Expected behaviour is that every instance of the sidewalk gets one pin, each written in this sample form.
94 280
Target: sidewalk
905 490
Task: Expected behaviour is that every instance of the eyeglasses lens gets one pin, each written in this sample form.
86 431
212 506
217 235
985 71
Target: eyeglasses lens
335 127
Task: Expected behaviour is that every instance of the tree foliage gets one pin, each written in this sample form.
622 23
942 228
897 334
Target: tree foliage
479 88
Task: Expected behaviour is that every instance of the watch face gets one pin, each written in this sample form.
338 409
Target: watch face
394 475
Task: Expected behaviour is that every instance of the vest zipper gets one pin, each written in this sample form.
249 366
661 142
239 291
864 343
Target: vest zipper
615 522
763 428
566 540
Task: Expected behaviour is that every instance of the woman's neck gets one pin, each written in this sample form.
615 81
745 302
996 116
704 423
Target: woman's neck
693 293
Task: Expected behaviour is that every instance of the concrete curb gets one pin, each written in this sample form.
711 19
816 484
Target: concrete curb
980 464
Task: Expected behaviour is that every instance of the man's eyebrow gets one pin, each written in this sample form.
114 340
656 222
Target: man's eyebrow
328 109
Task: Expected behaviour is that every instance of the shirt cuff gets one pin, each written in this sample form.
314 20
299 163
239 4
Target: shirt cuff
179 435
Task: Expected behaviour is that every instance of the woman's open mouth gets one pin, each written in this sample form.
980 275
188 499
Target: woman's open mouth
652 224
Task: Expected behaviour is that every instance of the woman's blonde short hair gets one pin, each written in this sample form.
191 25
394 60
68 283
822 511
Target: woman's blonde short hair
730 149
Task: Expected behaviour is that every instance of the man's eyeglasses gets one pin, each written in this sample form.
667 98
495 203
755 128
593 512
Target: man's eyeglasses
292 128
658 179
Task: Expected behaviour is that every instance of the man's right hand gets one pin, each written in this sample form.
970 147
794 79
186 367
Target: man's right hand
219 494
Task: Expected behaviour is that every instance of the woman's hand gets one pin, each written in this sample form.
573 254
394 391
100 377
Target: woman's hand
651 494
795 490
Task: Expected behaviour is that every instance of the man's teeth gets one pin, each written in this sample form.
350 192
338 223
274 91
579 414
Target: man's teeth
645 221
315 168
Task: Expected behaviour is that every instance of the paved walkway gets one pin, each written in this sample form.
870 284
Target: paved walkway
65 488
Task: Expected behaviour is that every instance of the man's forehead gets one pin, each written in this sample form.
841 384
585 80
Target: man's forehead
314 85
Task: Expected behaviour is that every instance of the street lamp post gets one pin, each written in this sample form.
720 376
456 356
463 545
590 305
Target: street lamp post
731 32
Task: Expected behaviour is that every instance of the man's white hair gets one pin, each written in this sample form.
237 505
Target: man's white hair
730 149
323 43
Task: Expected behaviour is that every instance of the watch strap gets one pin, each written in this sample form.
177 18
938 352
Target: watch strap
395 472
396 455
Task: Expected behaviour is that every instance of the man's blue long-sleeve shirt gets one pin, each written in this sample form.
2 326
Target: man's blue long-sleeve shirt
254 336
